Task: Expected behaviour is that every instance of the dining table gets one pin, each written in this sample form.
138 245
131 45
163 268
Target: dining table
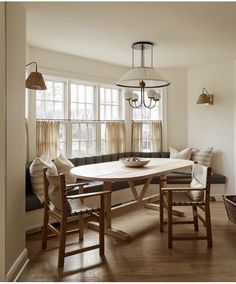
115 171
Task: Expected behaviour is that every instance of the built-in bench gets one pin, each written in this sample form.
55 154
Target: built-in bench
33 203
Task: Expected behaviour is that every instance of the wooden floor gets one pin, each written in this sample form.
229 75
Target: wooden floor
145 257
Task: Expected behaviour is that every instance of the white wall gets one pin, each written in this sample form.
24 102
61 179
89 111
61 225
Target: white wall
177 111
234 130
15 133
213 125
2 141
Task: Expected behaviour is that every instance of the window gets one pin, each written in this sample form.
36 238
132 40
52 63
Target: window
109 104
50 104
82 110
146 115
110 109
82 102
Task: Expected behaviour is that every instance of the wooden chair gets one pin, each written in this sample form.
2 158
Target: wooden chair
197 195
61 208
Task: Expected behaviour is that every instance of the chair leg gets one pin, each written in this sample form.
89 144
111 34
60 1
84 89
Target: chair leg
161 212
102 226
45 228
170 233
208 225
62 243
81 228
195 218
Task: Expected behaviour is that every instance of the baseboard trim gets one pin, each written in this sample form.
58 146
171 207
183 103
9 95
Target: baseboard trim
18 267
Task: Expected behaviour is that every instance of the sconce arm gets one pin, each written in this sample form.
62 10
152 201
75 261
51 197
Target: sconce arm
33 63
204 89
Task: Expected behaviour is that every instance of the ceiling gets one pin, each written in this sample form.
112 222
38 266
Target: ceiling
185 34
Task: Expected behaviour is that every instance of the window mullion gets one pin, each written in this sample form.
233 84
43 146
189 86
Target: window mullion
69 123
98 117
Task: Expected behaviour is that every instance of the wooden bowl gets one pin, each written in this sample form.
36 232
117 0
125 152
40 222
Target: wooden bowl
134 164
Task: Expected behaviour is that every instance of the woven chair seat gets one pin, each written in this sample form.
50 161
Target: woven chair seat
78 208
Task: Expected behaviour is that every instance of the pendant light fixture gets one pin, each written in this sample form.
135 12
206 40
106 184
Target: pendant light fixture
142 76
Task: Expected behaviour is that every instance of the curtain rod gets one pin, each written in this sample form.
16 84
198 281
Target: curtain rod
77 120
146 121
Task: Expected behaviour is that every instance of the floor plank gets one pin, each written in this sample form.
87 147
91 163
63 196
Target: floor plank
143 258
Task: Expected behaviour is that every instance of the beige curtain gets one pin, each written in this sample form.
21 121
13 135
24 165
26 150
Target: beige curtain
115 137
156 134
137 134
47 138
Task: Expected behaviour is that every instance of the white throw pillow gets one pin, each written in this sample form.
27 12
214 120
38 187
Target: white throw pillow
36 175
202 157
64 166
184 154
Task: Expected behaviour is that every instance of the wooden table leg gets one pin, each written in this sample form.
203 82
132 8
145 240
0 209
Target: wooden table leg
108 226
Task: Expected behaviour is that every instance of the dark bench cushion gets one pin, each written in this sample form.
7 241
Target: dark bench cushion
32 202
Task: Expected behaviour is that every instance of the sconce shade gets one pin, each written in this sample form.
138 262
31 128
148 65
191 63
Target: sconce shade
35 81
203 99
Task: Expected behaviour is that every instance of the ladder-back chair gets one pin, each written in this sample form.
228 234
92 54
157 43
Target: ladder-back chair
61 208
197 195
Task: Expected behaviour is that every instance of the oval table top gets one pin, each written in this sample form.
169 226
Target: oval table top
116 171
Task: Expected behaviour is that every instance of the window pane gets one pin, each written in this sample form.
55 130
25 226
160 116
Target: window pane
90 111
40 95
50 90
62 131
81 94
73 92
83 148
82 102
75 149
102 97
59 91
108 95
83 131
49 110
91 132
59 110
103 147
102 113
50 103
115 113
91 148
75 132
81 111
74 111
62 148
108 112
39 109
115 98
89 94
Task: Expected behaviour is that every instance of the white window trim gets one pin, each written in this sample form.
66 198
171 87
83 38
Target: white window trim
94 81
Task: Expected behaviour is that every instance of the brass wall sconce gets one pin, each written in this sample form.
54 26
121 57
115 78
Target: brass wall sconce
35 79
205 98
